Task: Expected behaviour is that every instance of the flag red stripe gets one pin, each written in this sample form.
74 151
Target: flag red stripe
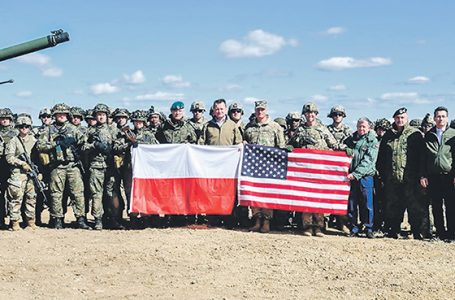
183 195
316 171
294 207
317 180
323 152
287 186
294 159
292 197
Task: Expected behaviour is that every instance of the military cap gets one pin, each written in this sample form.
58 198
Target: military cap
89 114
177 105
236 105
121 112
77 112
45 112
100 107
60 108
23 119
139 115
416 123
382 123
310 107
281 122
197 105
260 104
293 116
399 111
337 109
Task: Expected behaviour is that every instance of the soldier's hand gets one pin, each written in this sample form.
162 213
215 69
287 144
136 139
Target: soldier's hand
26 167
40 177
424 182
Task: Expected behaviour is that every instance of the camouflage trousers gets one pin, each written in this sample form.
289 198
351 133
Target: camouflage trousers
104 185
69 176
20 189
400 197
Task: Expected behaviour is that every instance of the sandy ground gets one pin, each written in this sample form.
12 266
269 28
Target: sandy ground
220 264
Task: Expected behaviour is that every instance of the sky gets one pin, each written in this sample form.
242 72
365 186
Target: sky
372 57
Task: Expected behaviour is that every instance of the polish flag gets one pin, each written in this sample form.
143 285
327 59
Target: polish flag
184 179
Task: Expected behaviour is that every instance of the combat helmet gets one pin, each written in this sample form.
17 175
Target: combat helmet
337 109
236 105
382 123
60 108
139 115
293 116
45 112
100 107
89 114
23 119
310 107
197 105
6 113
121 112
428 121
281 122
415 123
77 112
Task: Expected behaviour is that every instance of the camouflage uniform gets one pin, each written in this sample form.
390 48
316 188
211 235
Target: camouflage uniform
103 176
267 133
20 186
313 137
398 165
62 142
197 125
240 124
176 132
6 134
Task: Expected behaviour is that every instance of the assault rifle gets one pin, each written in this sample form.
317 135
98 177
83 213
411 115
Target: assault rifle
67 142
33 174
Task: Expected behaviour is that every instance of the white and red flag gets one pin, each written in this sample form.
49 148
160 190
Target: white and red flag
304 180
184 179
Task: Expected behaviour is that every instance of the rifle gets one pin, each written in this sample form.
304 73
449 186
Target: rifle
68 143
33 174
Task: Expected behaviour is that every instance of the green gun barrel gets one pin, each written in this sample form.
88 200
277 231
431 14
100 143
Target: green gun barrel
57 37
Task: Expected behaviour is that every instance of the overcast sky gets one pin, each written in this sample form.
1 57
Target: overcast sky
370 56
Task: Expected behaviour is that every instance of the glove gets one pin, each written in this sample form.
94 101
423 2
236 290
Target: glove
68 141
349 151
289 148
102 147
26 167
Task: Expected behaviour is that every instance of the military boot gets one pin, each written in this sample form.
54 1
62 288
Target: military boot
307 231
31 224
318 232
98 224
82 224
58 223
257 225
265 228
15 225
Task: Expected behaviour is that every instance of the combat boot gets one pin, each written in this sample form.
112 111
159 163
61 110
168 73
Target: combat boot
31 224
265 228
98 224
15 226
257 225
318 232
58 223
82 224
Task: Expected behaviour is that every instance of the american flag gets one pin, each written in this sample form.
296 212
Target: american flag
305 180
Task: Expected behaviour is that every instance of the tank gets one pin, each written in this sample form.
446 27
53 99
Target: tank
56 37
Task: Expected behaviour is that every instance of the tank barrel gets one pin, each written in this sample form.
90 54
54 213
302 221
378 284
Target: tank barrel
57 37
7 81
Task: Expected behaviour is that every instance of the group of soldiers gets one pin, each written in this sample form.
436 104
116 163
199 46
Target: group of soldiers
63 162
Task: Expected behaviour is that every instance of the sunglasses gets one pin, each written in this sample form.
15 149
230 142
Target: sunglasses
236 111
23 126
296 120
337 115
46 116
198 110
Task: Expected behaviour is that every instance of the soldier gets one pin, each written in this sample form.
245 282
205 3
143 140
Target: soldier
293 121
416 123
398 165
99 148
314 135
379 199
363 146
45 115
221 131
76 116
197 121
282 122
131 138
7 132
21 189
235 114
89 118
340 132
438 173
155 120
62 142
176 131
263 131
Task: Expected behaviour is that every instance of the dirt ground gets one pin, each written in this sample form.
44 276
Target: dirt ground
220 264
